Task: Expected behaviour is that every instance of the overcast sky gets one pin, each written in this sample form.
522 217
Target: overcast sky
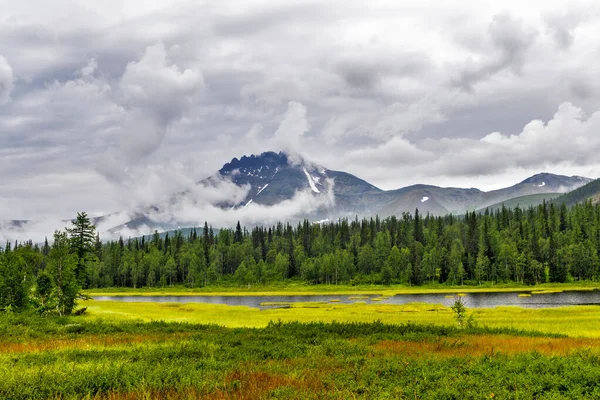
106 104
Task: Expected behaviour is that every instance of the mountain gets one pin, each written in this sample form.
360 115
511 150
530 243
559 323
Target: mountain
530 200
588 192
274 177
537 184
271 178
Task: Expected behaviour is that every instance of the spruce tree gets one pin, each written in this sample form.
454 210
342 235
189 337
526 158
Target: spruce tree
82 243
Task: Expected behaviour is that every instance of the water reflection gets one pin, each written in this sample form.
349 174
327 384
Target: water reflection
472 300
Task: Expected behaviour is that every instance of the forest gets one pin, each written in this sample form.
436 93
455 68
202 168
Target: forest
547 243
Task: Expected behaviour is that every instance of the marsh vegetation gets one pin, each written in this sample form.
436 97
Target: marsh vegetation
82 357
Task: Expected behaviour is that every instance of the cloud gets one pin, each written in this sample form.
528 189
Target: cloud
292 128
509 40
6 80
561 24
397 119
112 106
200 204
157 93
395 153
158 87
569 139
89 69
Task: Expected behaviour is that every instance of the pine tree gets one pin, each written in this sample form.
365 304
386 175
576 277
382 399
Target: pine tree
419 236
81 240
238 236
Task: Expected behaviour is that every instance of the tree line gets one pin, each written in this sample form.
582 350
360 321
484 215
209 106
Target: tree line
547 243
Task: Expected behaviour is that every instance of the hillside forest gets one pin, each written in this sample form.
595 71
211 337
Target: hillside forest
547 243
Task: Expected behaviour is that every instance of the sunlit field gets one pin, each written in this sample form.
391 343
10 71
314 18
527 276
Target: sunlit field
105 355
118 350
574 321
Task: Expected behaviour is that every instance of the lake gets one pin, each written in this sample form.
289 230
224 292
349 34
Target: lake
472 300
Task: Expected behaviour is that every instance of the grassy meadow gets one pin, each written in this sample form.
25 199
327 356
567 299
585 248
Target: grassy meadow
145 350
574 321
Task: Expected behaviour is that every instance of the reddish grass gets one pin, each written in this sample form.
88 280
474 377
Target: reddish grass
239 385
478 345
248 385
87 342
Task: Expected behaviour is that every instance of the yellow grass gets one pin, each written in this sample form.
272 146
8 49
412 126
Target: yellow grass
575 321
478 345
546 291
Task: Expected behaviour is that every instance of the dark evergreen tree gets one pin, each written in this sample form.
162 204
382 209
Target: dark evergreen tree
81 239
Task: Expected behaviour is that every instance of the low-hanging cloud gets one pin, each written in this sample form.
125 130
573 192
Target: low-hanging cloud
204 202
197 209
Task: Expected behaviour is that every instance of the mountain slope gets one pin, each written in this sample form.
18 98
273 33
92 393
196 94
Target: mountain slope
537 184
274 177
421 198
523 201
270 179
589 192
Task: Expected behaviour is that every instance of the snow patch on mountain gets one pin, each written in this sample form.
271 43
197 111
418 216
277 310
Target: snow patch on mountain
542 184
311 181
257 193
424 199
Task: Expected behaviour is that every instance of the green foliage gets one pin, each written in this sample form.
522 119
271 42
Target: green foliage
290 360
62 266
460 311
81 241
532 246
14 283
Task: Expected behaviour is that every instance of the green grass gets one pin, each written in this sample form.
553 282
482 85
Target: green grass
140 350
310 350
574 321
76 357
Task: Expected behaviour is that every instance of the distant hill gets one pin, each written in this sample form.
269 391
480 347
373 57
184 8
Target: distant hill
523 201
589 192
543 183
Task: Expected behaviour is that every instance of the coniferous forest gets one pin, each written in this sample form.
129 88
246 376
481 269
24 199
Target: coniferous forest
547 243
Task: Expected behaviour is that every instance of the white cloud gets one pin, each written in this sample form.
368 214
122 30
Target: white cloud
158 97
6 80
159 88
569 140
292 128
157 93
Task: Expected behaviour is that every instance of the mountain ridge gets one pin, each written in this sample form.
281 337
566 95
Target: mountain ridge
272 178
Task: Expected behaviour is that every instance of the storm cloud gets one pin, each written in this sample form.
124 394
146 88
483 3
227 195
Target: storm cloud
106 107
